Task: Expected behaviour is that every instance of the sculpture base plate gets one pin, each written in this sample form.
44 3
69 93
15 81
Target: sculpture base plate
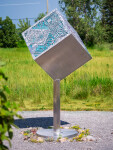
49 133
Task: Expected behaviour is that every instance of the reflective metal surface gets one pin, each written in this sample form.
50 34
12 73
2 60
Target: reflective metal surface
50 133
56 107
56 46
64 58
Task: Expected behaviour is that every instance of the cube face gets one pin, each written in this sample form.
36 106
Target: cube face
45 33
61 60
56 46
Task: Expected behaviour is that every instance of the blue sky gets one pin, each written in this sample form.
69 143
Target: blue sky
25 11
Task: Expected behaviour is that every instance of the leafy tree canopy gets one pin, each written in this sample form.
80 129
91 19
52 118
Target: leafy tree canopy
8 36
83 16
107 18
40 16
23 25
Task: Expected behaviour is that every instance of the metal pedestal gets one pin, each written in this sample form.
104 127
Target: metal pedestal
56 132
63 133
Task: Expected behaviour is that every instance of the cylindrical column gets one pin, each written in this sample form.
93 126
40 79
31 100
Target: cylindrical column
56 108
56 132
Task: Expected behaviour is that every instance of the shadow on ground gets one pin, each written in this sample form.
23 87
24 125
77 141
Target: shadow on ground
43 122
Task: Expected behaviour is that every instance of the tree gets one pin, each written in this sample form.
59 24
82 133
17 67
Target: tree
82 15
8 36
23 25
107 18
40 16
1 33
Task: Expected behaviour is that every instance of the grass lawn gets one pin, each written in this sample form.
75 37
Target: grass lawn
88 88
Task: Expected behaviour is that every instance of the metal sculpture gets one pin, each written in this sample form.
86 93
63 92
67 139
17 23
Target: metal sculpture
58 49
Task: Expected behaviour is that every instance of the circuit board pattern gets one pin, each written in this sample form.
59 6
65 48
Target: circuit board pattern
45 33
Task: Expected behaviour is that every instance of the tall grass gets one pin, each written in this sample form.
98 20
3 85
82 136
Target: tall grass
88 88
102 47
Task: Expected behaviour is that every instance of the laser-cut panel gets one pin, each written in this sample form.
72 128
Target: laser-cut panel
45 33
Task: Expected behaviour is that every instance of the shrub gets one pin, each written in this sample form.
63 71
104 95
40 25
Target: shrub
81 94
7 112
21 44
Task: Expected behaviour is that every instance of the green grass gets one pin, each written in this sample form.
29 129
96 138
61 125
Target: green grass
88 88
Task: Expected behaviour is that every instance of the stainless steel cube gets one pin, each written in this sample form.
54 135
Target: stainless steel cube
56 46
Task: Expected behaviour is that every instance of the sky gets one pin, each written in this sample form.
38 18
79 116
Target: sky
17 9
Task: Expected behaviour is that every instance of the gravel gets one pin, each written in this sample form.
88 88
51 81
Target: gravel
99 123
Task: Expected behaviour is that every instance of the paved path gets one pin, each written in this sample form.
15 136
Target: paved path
99 123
